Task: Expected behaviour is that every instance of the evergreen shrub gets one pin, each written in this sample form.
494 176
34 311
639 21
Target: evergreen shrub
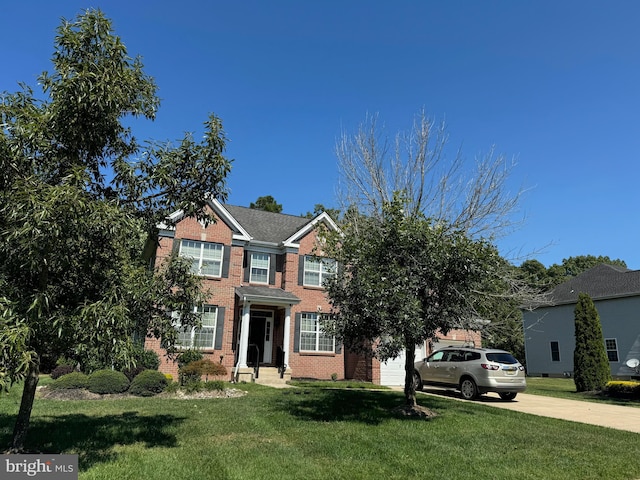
70 380
61 370
108 381
148 383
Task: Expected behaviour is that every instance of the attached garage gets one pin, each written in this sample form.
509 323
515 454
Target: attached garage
392 371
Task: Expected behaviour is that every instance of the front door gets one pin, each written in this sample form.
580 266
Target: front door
260 336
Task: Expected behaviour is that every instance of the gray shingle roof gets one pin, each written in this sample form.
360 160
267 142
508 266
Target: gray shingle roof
601 281
267 226
266 292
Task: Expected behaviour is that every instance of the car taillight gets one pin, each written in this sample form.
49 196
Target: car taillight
489 366
521 368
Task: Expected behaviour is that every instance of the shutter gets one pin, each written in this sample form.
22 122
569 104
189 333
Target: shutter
300 269
272 268
296 333
219 329
246 265
176 246
280 263
338 346
226 257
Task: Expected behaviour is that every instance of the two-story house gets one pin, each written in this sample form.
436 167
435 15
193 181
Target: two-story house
264 273
264 276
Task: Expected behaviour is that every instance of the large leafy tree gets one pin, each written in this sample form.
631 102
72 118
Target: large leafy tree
404 278
445 272
590 363
79 200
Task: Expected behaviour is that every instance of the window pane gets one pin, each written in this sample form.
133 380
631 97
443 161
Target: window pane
204 338
190 249
325 343
212 268
307 341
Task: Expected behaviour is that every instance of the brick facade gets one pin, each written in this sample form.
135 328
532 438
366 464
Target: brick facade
268 308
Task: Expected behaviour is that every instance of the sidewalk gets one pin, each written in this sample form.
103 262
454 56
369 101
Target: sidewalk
604 415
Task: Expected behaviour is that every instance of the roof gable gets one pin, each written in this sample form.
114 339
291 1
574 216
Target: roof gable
600 282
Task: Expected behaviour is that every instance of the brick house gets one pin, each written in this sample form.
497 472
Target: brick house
264 274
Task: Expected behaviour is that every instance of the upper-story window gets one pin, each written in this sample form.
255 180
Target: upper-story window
611 344
318 270
206 257
259 268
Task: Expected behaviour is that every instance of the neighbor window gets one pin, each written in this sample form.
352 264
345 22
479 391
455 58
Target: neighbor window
206 257
317 270
555 352
312 338
259 268
611 345
203 337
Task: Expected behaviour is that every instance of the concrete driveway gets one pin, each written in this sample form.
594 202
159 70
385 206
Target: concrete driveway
604 415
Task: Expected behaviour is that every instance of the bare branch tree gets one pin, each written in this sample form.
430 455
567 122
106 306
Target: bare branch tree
474 198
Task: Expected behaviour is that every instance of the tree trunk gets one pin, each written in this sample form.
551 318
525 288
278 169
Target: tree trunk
409 386
26 404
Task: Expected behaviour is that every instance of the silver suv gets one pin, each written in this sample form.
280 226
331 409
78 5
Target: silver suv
473 371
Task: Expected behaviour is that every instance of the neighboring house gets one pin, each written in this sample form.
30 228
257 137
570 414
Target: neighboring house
264 272
549 330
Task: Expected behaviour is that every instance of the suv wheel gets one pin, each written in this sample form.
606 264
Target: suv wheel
507 396
468 389
417 382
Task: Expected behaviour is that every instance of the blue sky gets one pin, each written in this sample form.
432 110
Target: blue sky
555 85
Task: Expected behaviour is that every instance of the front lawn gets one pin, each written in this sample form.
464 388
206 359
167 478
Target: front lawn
317 433
566 388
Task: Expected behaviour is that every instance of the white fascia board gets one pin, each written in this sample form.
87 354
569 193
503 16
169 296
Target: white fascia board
224 214
323 217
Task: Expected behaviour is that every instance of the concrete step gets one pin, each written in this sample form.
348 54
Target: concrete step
271 376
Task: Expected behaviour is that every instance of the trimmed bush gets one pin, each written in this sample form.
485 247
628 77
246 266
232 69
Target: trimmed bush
108 381
148 383
623 389
61 370
70 380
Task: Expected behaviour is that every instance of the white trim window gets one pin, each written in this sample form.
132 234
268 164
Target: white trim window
312 338
206 257
259 268
318 270
611 345
203 337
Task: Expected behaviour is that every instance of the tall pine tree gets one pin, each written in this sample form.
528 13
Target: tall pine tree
590 362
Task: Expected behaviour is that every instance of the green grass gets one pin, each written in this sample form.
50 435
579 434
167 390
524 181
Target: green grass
566 388
317 433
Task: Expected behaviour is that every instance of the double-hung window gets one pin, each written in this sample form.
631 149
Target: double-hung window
312 338
259 268
611 344
318 270
555 351
206 257
204 337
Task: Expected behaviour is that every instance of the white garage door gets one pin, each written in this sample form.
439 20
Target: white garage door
392 372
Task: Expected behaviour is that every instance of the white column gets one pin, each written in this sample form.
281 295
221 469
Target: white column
287 334
244 336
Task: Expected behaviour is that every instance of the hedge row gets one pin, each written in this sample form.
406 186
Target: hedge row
623 389
146 383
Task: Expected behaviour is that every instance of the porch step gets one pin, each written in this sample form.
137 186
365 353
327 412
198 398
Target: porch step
271 376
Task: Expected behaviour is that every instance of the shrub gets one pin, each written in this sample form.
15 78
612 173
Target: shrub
148 383
195 370
61 370
214 385
108 381
188 356
621 389
70 380
172 387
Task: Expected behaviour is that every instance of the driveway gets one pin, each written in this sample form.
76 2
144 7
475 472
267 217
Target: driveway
604 415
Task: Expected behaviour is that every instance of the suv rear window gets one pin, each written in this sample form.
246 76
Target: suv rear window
502 358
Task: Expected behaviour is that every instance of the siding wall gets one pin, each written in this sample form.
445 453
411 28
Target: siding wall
620 319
